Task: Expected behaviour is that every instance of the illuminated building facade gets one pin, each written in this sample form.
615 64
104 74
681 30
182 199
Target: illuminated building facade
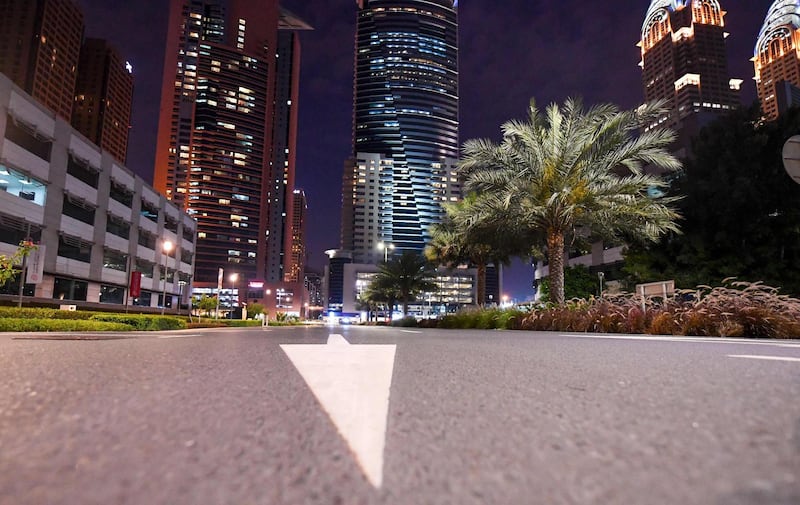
215 154
280 242
103 97
684 62
405 131
40 43
777 58
297 257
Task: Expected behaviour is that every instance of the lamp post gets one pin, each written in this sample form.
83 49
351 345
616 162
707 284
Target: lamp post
166 247
181 284
386 247
233 278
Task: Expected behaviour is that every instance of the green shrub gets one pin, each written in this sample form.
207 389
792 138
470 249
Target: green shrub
43 313
34 324
406 322
144 322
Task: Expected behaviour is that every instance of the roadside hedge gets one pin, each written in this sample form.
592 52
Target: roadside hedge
143 322
43 313
38 324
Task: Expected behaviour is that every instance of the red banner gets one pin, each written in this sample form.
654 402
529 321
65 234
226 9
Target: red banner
136 284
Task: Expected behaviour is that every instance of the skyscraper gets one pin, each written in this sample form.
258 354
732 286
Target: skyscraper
216 140
777 58
40 42
297 258
103 96
405 131
280 242
684 62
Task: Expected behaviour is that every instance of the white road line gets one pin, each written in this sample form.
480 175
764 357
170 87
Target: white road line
691 340
352 383
766 358
409 331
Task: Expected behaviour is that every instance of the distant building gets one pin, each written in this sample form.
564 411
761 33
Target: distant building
103 97
96 222
220 128
297 256
405 130
684 62
280 242
40 43
777 58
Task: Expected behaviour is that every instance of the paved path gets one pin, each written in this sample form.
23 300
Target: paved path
474 417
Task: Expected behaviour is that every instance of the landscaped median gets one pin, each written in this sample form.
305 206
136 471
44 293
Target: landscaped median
43 319
738 309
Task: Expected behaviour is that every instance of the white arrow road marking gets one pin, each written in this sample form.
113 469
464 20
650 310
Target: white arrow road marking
768 358
352 383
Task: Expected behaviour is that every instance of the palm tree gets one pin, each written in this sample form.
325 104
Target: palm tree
573 172
467 236
404 277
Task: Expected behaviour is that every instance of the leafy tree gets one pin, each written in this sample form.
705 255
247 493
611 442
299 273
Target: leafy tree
207 303
573 172
578 283
741 211
468 235
10 265
374 298
254 309
404 277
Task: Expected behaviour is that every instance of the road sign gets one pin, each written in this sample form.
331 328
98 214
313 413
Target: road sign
791 158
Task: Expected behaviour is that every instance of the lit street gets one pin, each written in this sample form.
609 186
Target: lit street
235 416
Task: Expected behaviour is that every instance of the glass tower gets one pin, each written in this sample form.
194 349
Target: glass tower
405 125
777 57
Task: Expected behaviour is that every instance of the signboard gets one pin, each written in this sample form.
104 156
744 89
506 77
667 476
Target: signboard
219 280
35 266
791 158
661 288
136 284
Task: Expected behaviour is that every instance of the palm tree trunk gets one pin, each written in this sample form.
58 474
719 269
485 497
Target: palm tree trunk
555 256
481 288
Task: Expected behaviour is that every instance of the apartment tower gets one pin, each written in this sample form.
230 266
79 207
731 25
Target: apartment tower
103 97
405 125
777 58
40 43
684 62
216 149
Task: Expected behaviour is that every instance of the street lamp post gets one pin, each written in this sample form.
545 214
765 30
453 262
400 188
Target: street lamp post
233 278
386 247
181 284
166 247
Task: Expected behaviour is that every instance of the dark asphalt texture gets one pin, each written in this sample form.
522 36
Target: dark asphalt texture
475 417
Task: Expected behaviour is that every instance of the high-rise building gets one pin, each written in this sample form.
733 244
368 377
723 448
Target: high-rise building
215 152
684 62
297 257
405 131
280 243
103 97
777 58
40 43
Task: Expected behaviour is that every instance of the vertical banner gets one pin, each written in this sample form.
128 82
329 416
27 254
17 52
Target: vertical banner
219 280
35 266
135 287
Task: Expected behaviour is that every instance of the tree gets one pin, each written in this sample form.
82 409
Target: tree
573 172
578 283
404 277
10 265
207 303
374 297
467 235
254 309
740 210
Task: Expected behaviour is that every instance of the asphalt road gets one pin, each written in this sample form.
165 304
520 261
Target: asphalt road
475 417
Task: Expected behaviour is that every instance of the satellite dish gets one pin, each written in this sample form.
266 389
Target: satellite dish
791 158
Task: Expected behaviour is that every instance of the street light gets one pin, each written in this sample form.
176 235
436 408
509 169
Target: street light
233 278
386 247
166 247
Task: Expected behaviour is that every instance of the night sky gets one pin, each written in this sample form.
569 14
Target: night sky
510 51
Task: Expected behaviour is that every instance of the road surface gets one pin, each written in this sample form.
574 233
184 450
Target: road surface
234 416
